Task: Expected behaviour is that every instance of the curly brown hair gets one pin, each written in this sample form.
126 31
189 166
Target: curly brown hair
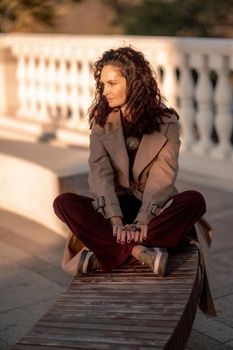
143 98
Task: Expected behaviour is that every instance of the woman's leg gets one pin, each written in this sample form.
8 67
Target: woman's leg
92 229
165 230
171 226
168 229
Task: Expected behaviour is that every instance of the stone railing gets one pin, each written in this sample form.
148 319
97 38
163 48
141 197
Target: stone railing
47 87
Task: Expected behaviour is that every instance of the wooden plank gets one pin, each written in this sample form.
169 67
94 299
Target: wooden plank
102 324
129 308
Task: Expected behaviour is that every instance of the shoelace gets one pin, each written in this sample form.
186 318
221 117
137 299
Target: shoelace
95 263
146 257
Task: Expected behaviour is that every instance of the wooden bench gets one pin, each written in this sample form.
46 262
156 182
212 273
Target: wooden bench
129 308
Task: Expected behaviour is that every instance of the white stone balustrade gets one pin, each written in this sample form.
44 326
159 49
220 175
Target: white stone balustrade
55 86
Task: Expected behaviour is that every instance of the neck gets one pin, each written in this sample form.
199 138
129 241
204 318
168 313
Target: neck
124 113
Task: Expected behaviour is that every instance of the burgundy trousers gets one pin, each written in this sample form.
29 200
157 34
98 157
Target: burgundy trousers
165 230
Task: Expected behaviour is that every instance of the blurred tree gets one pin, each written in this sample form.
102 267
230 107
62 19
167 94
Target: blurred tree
203 18
28 15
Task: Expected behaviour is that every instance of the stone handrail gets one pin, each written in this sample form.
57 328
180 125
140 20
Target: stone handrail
51 79
33 174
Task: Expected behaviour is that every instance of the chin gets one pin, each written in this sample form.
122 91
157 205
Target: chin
111 104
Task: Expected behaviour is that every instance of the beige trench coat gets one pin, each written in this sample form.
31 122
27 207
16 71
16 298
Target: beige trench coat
155 169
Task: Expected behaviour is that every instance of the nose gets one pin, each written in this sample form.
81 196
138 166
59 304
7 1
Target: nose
106 90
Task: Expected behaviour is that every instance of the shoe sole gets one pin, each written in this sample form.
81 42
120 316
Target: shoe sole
84 260
160 262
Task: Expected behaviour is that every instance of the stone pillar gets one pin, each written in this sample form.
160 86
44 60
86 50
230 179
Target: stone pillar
224 117
169 86
85 83
8 83
186 89
72 79
204 98
22 86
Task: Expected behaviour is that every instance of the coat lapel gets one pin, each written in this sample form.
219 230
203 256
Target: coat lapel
113 140
149 147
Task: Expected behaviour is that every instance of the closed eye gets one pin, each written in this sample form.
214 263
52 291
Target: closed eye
110 82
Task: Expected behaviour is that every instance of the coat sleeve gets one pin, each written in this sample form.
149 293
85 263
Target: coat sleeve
161 178
101 179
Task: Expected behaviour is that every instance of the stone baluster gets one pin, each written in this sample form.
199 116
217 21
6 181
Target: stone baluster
51 86
169 84
224 117
42 112
84 103
8 83
186 109
73 97
80 87
158 61
204 98
22 86
32 92
159 77
92 59
156 65
62 88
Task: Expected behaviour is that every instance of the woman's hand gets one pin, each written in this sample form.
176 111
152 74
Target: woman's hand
119 230
136 232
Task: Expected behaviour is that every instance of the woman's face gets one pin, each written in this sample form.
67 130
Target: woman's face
114 85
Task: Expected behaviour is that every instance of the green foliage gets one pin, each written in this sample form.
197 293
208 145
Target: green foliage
24 14
28 15
175 17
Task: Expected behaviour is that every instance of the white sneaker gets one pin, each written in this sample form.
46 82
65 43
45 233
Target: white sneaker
156 259
87 262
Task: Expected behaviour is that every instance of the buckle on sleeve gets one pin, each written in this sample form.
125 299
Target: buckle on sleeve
100 202
152 208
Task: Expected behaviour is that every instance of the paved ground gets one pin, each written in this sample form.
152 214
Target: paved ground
31 279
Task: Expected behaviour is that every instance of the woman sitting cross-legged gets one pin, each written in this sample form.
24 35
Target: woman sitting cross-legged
134 209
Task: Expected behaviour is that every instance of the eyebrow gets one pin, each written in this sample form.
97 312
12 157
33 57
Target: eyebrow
109 81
